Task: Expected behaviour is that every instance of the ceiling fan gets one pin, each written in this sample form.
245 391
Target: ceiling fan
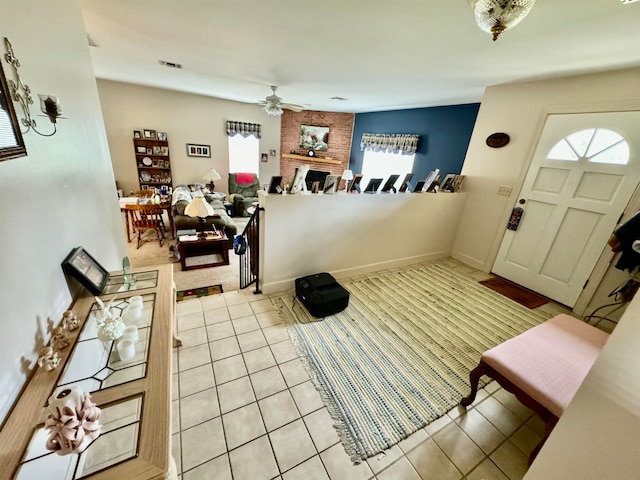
273 104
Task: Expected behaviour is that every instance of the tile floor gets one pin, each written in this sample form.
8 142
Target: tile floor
245 409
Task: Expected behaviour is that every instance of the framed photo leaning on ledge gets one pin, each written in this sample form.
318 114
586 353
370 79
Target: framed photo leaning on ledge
86 269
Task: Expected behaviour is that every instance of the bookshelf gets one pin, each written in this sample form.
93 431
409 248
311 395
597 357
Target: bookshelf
153 161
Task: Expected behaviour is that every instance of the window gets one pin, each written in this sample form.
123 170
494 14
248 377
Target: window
243 154
597 145
382 164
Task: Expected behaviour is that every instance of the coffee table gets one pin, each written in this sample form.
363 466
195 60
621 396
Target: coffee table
195 249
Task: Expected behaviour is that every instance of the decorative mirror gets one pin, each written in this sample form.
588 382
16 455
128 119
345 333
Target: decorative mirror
11 142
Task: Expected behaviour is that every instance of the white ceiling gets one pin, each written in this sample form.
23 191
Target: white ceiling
378 54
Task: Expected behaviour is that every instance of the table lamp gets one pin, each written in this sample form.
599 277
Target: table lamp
347 176
210 177
199 208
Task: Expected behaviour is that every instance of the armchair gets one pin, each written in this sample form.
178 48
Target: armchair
243 192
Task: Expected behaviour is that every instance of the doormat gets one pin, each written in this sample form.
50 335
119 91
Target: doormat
515 292
198 292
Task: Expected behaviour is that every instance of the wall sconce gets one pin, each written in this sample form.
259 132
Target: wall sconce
20 93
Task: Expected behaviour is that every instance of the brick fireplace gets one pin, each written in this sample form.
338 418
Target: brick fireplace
334 160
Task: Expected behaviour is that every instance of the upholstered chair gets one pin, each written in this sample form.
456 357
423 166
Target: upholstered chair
243 192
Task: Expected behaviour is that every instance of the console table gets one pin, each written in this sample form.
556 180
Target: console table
135 396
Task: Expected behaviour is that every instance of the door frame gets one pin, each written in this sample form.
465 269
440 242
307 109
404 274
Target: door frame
606 257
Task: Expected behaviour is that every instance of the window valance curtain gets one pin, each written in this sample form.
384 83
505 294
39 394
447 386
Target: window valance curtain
244 129
400 143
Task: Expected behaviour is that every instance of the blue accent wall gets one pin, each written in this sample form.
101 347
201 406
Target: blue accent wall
444 135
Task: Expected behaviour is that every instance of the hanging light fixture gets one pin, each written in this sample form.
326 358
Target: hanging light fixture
495 16
273 109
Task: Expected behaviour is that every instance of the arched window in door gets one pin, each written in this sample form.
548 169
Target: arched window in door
596 145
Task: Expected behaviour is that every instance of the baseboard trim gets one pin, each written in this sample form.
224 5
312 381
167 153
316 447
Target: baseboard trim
288 283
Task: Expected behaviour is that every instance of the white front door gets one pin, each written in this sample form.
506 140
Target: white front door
583 173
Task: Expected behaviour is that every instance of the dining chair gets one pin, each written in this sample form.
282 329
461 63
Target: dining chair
146 217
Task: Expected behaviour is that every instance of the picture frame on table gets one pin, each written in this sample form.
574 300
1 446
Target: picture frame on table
137 134
162 136
197 150
86 270
447 183
150 134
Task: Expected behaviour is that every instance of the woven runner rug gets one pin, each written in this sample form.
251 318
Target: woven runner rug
198 292
399 356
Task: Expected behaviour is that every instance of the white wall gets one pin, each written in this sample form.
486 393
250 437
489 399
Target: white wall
520 110
58 197
349 234
187 118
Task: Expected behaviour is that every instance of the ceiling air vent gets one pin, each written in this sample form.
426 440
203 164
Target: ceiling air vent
92 42
170 64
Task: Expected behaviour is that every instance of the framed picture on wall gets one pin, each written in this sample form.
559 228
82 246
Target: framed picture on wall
11 141
195 150
314 138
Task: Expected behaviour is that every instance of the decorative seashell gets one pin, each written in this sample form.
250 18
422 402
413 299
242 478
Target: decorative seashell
60 339
70 320
72 421
49 359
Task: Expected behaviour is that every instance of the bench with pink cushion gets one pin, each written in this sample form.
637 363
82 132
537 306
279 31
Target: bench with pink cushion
543 367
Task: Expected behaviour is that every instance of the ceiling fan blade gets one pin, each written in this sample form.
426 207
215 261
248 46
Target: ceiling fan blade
293 107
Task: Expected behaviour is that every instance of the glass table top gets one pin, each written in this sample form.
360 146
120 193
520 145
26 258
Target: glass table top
131 282
118 441
94 365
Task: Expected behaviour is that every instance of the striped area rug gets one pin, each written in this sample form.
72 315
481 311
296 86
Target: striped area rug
399 356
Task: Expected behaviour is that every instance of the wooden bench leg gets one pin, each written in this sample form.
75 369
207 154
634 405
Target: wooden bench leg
474 378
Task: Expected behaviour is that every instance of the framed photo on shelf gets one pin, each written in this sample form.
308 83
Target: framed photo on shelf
144 187
150 134
137 134
86 269
161 163
195 150
164 150
141 149
156 150
162 136
149 151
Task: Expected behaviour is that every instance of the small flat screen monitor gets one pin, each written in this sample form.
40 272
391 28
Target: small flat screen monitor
331 184
274 185
373 185
354 185
390 184
405 183
316 176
